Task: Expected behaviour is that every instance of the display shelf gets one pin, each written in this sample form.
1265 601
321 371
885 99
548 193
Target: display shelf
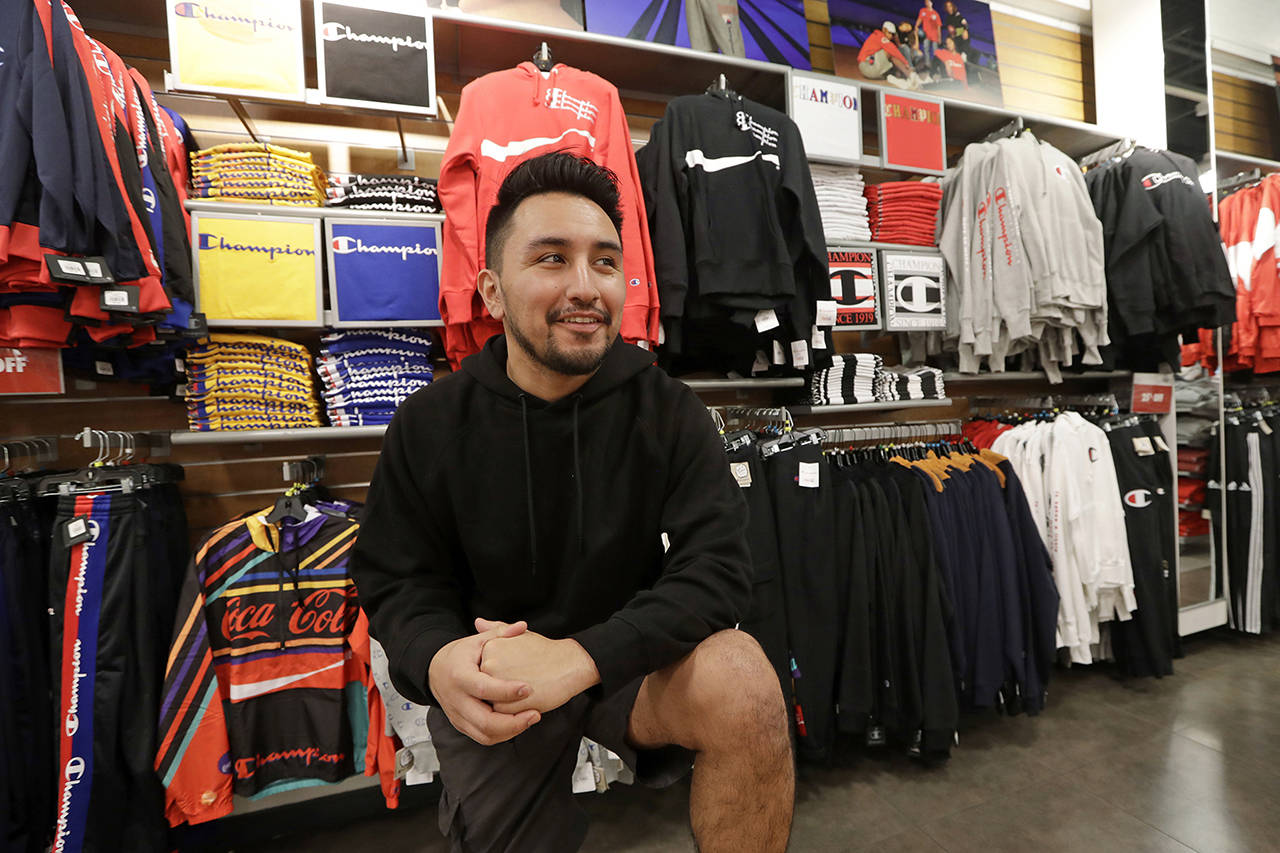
210 206
871 244
869 407
1229 163
255 436
951 377
744 384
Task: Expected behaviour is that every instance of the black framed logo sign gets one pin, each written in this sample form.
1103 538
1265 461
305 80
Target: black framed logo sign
854 287
376 54
914 291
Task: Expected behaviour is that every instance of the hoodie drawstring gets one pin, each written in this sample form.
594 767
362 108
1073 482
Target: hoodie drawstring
528 485
577 470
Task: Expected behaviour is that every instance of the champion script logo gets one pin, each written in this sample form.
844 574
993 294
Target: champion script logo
333 31
212 242
210 12
246 767
355 246
1155 179
1138 498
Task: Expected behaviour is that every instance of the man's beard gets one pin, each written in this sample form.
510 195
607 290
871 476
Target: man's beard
578 363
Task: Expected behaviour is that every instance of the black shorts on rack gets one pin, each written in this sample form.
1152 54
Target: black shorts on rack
517 796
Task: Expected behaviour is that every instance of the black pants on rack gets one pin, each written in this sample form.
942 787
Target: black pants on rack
103 644
1143 644
766 619
801 486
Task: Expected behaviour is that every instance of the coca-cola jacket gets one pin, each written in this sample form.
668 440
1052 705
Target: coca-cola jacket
267 640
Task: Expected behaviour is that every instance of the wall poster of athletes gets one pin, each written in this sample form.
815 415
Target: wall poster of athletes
771 30
565 14
945 47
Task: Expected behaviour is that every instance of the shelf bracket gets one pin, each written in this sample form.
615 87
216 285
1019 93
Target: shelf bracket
245 119
405 158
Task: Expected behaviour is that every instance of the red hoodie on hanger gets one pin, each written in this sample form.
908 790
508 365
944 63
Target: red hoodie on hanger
505 118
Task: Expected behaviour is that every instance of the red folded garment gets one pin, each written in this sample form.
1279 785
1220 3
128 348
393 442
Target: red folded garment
1191 523
1192 490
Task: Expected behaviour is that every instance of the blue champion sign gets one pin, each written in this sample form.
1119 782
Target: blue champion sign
385 273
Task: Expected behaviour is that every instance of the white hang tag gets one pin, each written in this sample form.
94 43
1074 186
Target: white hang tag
799 354
766 320
1265 427
819 339
1160 443
1142 446
761 364
741 473
810 472
779 356
826 312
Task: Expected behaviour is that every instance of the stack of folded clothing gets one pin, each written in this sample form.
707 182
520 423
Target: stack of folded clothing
849 379
904 212
250 382
368 373
909 383
257 172
395 193
843 206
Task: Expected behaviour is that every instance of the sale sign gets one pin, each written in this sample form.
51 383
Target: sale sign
30 371
1152 393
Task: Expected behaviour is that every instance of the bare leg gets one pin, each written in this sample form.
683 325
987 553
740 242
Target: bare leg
723 701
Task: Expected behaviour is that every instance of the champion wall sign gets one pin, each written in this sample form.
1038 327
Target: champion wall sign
829 115
914 291
376 55
237 47
855 288
386 274
257 270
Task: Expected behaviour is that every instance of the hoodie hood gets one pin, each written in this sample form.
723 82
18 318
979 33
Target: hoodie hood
622 362
489 368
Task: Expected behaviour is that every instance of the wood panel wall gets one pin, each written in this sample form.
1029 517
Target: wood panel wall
1246 117
1045 69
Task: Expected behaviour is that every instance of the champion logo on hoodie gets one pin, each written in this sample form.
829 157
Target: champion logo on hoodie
1138 498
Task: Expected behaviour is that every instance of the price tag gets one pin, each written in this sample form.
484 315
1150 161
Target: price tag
1142 446
91 270
761 364
766 320
179 366
104 368
120 298
1160 443
70 267
779 357
799 354
76 531
819 340
1265 427
810 472
741 473
826 312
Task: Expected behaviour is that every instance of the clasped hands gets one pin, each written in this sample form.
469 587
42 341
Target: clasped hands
498 682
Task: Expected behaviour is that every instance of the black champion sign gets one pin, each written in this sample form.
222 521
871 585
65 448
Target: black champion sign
376 57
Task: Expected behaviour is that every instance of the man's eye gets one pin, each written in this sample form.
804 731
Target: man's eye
553 257
608 261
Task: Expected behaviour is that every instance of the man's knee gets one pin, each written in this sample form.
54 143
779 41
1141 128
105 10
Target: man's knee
737 695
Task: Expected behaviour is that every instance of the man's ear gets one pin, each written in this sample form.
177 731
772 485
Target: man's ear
491 293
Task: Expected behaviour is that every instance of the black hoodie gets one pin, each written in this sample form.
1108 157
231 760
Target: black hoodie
488 501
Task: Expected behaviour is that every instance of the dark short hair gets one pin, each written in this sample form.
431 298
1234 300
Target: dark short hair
557 172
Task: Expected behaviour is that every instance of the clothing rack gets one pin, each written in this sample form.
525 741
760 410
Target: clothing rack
41 449
1010 130
1228 185
739 417
891 432
132 444
1102 155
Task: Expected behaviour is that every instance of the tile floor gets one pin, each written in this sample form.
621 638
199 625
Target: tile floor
1190 762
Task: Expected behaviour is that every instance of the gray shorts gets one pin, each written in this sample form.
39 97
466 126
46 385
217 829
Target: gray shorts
517 797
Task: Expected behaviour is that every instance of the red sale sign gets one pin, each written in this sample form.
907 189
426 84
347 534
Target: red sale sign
911 133
30 371
1152 393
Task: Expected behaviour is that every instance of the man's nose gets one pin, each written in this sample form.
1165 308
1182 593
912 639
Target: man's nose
582 284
